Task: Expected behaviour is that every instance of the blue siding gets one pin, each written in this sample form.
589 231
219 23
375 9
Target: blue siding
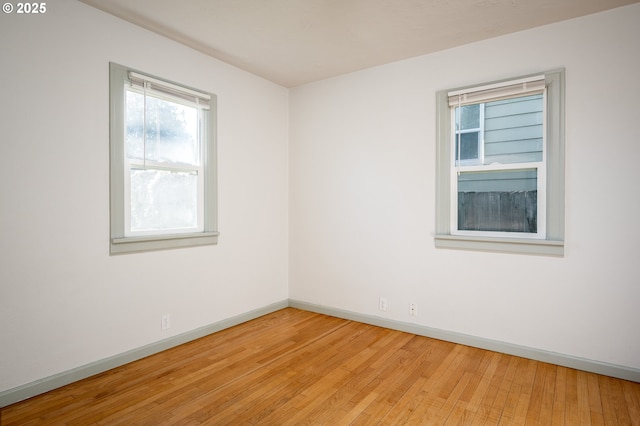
513 130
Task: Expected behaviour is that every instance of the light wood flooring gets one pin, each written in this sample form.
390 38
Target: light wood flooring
295 367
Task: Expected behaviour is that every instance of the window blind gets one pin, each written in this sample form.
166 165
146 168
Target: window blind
496 91
169 91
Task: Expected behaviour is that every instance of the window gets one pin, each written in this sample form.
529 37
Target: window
163 163
500 166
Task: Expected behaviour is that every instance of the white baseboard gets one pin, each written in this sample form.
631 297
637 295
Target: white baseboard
46 384
612 370
38 387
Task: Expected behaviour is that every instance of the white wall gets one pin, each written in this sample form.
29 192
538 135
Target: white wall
64 302
362 196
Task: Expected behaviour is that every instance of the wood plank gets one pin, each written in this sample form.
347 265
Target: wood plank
297 367
584 409
559 397
571 397
595 404
537 393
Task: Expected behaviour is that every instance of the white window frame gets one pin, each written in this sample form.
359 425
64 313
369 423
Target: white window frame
122 239
549 240
462 166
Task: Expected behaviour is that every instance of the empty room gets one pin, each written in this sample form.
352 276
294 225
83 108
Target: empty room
319 212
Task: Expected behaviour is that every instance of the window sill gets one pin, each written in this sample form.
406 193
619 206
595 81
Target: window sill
162 242
502 245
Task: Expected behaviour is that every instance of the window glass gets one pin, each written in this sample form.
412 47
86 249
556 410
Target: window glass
171 130
498 201
163 200
468 117
467 147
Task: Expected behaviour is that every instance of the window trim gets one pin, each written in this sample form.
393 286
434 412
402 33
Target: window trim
119 243
553 244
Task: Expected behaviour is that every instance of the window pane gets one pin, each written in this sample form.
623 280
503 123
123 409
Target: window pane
468 146
162 200
505 201
468 117
171 130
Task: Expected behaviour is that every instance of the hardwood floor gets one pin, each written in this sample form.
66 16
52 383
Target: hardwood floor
297 367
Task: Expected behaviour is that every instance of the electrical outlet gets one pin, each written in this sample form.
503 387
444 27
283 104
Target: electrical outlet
166 322
413 309
382 304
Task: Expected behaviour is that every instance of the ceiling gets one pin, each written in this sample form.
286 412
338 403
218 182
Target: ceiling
293 42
